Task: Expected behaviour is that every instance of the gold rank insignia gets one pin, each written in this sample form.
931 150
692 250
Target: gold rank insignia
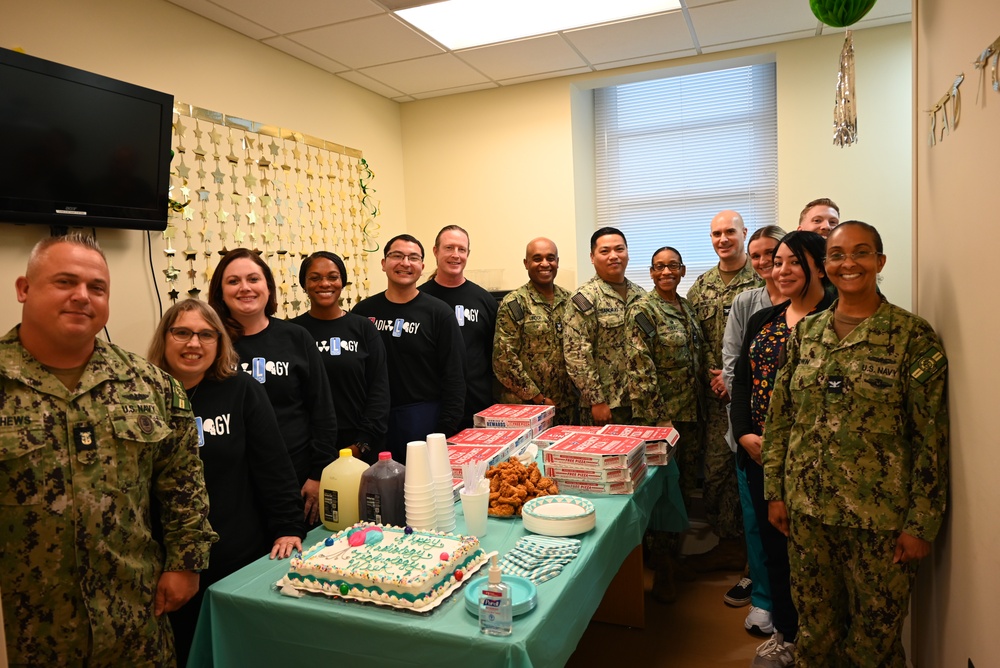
927 366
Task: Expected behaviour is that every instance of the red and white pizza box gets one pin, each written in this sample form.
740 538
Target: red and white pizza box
587 487
459 455
657 459
659 440
531 416
595 451
515 438
584 474
553 434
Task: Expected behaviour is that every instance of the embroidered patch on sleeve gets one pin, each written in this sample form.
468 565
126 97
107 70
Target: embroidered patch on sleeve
516 311
582 304
645 325
927 366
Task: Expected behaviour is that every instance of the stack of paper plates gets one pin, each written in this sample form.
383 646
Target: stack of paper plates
559 515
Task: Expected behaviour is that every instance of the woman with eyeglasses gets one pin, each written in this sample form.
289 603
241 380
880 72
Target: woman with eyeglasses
665 381
752 588
353 355
283 358
855 460
254 503
801 281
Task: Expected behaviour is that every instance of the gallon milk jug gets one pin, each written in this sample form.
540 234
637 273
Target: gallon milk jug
338 491
381 496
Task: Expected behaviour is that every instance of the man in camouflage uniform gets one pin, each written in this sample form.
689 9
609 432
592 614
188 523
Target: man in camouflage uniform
88 432
528 344
596 340
712 295
855 455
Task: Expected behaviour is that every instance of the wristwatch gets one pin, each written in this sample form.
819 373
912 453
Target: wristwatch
364 447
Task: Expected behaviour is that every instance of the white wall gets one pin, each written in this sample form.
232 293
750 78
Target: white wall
513 163
957 200
159 45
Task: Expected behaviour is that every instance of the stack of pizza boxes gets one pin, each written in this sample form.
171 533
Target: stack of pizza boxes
490 445
595 463
660 441
511 416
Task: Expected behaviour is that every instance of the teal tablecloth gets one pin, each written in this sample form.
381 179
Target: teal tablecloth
244 621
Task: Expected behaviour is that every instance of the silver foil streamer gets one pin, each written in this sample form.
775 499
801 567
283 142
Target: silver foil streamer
845 109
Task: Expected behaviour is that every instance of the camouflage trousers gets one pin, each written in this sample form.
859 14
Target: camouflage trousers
850 597
720 491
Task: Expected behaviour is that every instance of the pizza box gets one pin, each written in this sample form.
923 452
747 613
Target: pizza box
459 455
595 451
657 459
553 434
516 439
584 474
534 417
658 439
619 487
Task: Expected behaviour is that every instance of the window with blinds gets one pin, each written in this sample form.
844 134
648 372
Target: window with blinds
672 153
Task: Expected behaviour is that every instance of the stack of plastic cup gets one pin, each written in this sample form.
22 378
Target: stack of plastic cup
418 488
444 496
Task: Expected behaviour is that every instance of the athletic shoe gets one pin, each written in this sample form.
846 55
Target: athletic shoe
758 622
739 594
775 653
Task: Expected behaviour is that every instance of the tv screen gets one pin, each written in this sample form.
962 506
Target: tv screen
81 149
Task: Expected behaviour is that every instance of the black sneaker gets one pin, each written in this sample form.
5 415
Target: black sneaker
739 594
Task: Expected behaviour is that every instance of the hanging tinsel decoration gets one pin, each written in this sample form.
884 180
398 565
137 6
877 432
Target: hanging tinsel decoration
845 108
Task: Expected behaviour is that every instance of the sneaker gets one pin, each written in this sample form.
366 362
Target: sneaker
758 622
775 653
739 594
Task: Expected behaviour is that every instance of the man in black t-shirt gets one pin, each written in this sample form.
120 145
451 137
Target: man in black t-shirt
423 348
475 312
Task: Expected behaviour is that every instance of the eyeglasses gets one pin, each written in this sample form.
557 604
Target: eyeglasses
672 266
396 256
837 258
183 335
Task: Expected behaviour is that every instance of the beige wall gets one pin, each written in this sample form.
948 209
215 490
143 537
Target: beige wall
159 45
513 163
957 200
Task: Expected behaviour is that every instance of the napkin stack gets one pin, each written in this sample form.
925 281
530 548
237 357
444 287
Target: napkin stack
539 558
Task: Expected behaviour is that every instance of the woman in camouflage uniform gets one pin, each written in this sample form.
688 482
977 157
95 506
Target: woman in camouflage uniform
855 459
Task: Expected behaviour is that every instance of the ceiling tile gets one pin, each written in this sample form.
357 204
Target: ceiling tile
740 21
648 59
525 57
454 91
757 41
225 17
637 38
426 74
287 16
369 41
369 83
546 75
308 55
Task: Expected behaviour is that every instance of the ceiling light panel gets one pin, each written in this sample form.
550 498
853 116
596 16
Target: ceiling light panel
459 24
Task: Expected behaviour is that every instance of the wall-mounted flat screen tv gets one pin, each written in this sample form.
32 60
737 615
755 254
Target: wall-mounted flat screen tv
79 149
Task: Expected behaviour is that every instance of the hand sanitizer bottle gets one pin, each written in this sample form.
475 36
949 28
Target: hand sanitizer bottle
494 604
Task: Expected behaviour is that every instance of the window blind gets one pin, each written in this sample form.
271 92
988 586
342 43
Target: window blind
671 153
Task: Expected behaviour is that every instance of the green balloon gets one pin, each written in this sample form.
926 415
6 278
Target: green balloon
840 13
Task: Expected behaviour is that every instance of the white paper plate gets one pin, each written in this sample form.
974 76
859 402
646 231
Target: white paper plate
558 507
